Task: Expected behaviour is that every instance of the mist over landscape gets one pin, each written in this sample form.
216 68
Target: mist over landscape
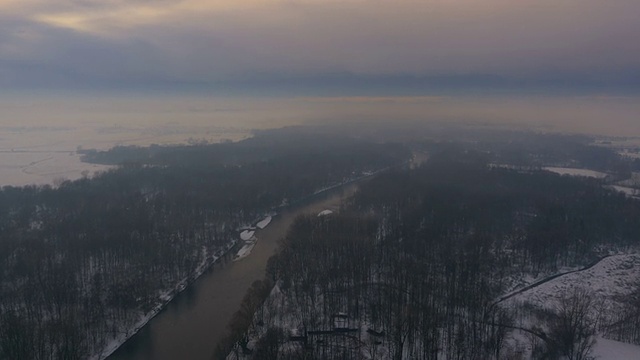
307 179
38 145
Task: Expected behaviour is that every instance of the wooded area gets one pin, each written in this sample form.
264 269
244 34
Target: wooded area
419 258
83 262
416 256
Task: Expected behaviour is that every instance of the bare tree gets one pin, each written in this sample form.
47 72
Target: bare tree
573 327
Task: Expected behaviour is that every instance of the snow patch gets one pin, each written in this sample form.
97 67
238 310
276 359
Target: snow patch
614 277
264 222
247 235
576 172
325 212
606 349
245 251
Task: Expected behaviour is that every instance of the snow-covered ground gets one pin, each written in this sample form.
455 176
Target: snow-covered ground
610 280
38 154
576 172
247 235
606 349
21 167
506 166
264 222
626 190
165 297
48 130
245 250
325 212
613 277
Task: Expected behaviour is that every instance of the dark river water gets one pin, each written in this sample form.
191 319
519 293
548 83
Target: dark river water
195 320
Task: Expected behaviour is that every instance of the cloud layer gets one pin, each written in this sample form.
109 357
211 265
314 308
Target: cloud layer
67 43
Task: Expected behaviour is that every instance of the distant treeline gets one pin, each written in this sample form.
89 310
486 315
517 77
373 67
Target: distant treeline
295 144
525 149
503 147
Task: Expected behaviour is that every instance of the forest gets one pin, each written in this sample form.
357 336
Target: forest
84 261
416 262
418 255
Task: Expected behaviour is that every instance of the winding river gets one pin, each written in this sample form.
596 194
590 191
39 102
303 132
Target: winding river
190 326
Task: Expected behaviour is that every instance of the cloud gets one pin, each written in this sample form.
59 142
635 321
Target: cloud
206 41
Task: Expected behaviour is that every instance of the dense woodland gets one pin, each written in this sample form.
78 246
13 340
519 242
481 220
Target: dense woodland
419 258
417 255
82 262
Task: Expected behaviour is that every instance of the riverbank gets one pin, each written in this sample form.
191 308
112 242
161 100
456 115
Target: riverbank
249 244
165 297
191 324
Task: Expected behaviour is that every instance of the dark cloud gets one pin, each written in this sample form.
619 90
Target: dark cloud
401 46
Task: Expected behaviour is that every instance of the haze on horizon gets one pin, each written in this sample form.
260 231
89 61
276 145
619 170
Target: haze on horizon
571 65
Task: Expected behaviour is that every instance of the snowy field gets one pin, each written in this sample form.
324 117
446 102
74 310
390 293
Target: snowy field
606 349
24 166
39 136
35 154
43 155
614 277
576 172
609 281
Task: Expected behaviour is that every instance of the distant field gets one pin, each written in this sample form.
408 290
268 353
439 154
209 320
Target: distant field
39 140
39 135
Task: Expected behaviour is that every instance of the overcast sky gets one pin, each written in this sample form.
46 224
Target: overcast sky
330 44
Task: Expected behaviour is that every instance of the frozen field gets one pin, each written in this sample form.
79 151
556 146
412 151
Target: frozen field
611 279
33 154
39 137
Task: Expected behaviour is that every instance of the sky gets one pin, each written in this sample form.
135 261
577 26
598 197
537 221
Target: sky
352 47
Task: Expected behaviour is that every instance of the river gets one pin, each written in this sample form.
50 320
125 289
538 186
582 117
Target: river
190 326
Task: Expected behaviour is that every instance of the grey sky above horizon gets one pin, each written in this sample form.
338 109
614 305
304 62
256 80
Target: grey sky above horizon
353 44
